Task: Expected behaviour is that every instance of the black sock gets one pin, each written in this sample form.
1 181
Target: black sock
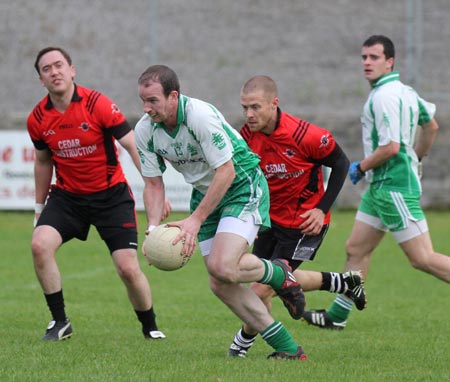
244 340
326 281
246 335
147 319
55 302
333 282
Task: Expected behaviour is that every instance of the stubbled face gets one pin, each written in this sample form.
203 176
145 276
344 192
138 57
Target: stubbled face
260 111
55 73
156 105
374 62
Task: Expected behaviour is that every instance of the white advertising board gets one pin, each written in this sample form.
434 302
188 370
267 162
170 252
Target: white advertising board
17 177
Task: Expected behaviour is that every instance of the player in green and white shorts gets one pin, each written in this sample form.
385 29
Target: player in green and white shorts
393 211
229 204
236 213
393 149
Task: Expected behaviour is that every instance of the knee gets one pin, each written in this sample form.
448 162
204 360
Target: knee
44 243
419 263
128 271
41 250
356 251
37 246
221 272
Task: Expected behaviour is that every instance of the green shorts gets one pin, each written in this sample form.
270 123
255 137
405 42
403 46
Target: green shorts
247 198
394 209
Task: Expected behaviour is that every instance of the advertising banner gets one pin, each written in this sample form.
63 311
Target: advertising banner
17 176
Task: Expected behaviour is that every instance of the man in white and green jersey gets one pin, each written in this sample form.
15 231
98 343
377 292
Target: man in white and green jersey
229 202
393 149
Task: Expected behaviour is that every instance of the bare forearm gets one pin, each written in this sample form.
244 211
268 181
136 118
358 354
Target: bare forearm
128 143
154 199
218 188
43 172
425 138
379 156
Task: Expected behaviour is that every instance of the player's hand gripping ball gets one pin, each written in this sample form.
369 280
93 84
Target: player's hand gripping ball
159 250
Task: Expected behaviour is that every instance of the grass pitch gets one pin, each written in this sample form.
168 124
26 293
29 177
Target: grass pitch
403 335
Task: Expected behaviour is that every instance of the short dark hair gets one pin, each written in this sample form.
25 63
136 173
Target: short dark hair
388 45
51 49
162 74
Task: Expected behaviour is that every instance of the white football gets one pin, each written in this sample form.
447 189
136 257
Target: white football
159 250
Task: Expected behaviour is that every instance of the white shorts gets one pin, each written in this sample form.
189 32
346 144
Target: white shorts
246 229
414 227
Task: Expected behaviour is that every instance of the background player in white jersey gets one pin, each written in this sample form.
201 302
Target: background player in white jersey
392 150
229 201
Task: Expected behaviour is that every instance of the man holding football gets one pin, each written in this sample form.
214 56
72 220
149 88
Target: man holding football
393 149
229 202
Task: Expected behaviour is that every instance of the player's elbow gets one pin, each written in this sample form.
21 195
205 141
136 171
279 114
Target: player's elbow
393 149
432 126
226 171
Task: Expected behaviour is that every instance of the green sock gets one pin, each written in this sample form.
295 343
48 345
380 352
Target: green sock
340 309
279 338
273 274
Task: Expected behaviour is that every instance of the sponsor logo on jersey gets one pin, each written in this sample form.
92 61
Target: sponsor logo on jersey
84 126
49 132
115 109
274 168
192 149
69 143
289 153
71 148
287 175
185 161
218 141
324 140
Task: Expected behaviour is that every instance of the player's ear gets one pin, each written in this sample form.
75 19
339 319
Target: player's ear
173 95
275 102
390 63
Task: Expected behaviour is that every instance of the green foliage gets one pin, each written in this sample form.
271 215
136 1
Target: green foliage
401 336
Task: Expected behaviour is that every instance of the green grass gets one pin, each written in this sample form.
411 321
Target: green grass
403 335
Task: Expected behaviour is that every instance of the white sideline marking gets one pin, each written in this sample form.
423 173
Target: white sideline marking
76 276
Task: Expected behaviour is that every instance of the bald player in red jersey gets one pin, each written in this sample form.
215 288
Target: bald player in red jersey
292 152
74 130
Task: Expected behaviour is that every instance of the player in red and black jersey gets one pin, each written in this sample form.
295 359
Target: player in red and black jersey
74 130
292 152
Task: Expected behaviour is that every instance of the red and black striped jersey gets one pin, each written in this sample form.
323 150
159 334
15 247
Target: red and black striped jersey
291 161
81 140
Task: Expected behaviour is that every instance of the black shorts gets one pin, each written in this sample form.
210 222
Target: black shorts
288 243
111 211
